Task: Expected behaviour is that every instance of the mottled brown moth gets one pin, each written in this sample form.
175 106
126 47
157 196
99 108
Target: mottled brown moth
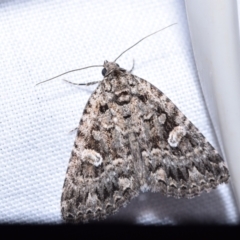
132 137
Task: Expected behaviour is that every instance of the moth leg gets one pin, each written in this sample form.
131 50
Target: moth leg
73 130
132 66
86 84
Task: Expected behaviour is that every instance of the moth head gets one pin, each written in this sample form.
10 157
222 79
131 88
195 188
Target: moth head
111 67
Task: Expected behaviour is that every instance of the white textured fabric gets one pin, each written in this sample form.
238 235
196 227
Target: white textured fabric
41 39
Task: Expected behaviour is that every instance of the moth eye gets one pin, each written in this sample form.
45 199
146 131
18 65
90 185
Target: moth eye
104 71
117 65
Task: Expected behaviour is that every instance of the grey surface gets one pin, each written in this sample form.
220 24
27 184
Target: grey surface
219 72
41 39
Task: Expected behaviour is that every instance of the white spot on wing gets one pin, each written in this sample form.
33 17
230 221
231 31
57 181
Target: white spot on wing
176 135
92 157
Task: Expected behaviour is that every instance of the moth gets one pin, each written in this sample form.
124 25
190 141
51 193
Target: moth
132 138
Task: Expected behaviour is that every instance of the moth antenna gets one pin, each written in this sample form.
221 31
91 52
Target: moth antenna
68 72
142 40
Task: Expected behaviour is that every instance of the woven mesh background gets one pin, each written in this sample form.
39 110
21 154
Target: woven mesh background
41 39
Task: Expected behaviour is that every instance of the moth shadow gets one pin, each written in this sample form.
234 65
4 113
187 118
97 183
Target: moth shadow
157 209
